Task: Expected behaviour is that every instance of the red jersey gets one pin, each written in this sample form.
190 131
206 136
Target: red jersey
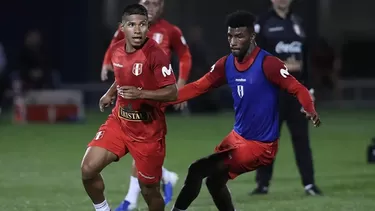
169 37
271 68
147 68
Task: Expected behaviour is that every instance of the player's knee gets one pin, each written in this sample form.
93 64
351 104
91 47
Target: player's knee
89 170
193 169
216 183
151 192
149 189
210 182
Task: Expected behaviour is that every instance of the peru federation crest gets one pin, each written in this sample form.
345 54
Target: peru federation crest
137 69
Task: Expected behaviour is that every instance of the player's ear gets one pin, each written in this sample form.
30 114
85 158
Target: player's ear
122 25
252 36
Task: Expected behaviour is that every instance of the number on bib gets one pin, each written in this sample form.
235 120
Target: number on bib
240 90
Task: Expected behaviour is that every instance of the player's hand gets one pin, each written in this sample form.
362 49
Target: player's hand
104 72
105 101
129 92
314 117
180 106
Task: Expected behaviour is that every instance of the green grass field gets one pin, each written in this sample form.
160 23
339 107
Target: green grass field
40 165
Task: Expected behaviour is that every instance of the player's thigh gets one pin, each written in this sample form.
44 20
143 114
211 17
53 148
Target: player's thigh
209 165
226 148
148 159
251 155
107 146
230 142
95 160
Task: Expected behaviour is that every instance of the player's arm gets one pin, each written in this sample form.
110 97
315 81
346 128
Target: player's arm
277 72
181 48
213 79
165 79
108 54
166 94
108 98
112 90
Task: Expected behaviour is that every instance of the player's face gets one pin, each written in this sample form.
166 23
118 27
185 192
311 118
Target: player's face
154 8
135 28
281 4
239 40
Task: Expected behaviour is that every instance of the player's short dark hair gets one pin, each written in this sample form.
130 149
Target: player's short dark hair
134 9
241 19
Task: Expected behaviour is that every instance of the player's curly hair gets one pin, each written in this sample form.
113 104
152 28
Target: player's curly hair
134 9
241 19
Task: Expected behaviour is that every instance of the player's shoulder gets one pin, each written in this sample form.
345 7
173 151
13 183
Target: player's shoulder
222 60
153 50
171 28
117 45
271 62
264 17
166 23
220 63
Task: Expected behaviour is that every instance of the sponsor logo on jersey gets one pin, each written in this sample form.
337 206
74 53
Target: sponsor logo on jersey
129 114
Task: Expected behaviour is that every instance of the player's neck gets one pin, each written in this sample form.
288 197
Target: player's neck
131 49
246 55
282 12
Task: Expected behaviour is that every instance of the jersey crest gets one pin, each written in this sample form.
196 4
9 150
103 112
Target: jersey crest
137 69
158 37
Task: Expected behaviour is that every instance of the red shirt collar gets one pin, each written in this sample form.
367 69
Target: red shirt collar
247 61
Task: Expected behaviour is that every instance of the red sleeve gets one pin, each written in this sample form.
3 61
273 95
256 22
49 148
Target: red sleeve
119 35
181 48
276 71
214 78
162 68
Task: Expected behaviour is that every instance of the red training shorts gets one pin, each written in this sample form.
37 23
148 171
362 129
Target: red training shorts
246 155
148 156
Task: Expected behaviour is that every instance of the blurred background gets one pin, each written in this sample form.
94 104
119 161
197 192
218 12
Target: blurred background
58 46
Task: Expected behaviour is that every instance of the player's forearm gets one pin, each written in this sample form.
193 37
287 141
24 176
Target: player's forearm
185 66
166 94
188 92
304 97
112 90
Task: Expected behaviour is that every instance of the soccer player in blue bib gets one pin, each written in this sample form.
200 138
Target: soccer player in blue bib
255 78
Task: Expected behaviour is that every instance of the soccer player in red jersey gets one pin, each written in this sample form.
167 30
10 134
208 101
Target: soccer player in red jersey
137 123
255 78
170 39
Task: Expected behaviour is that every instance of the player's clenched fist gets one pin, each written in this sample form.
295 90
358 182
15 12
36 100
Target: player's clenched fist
129 92
314 117
105 101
